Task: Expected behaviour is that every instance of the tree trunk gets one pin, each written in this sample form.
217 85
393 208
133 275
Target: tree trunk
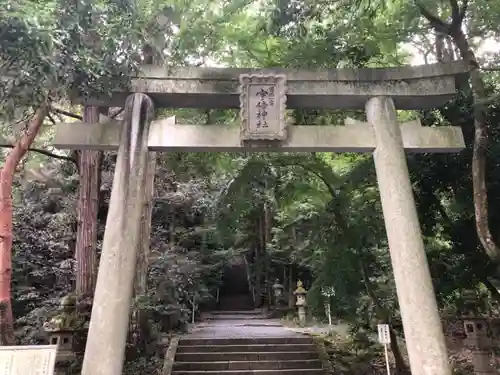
399 362
480 193
495 294
439 43
385 318
141 278
87 209
6 210
258 264
450 48
291 287
266 235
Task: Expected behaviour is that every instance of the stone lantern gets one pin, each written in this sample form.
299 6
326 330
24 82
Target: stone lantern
478 337
278 292
61 330
300 294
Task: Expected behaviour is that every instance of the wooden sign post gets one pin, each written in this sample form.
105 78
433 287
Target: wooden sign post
384 337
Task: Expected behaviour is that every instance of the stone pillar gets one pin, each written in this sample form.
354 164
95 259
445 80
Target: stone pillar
278 293
63 330
479 341
421 322
300 294
105 348
481 361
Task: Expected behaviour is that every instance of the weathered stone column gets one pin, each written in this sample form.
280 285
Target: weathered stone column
105 349
421 322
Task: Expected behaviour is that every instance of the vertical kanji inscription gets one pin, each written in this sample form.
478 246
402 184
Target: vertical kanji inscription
262 107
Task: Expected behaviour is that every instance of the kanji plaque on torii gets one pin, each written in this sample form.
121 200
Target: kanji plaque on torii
262 107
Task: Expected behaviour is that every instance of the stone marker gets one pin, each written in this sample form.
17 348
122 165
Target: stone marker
262 97
28 360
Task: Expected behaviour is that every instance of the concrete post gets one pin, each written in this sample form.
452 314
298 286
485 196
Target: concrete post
105 349
421 322
481 361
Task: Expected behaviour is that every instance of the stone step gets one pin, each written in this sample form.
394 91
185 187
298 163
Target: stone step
246 341
247 365
237 312
246 348
236 302
245 356
236 317
254 372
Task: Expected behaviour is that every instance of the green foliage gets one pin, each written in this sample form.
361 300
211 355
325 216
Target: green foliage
187 257
43 259
58 49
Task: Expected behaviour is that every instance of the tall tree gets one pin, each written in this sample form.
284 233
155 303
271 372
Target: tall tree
87 209
7 173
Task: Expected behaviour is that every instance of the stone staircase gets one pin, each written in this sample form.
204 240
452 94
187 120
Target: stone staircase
240 302
236 315
246 356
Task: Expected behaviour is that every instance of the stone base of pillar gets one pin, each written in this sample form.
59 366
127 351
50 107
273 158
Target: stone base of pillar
302 315
481 360
66 367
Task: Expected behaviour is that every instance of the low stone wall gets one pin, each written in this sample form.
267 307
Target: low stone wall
170 355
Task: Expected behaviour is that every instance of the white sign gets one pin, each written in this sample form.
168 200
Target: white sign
384 336
28 360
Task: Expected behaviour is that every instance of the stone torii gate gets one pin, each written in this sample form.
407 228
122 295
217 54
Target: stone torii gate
263 96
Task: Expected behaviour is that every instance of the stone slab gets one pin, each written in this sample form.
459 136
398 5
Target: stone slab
166 135
254 372
245 356
247 348
224 340
411 87
28 360
226 365
170 356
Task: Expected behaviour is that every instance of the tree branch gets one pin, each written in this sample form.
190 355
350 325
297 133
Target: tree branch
437 23
463 11
492 289
42 152
115 114
492 69
455 12
66 113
